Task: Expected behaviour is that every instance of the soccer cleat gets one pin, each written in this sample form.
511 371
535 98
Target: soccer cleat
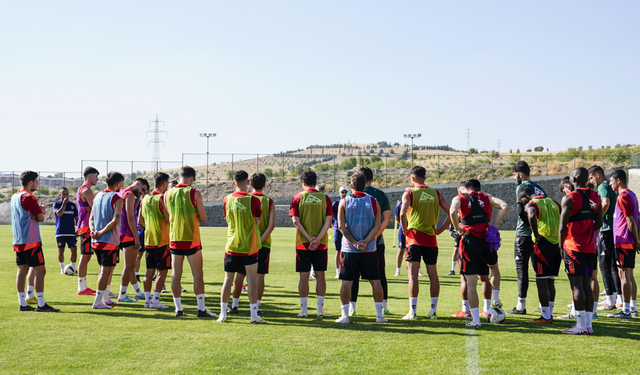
112 295
86 292
139 297
606 307
575 331
27 308
473 324
337 276
101 306
146 305
594 316
164 289
138 278
619 305
397 274
515 311
157 305
232 310
461 314
47 308
109 302
126 299
567 316
603 293
183 290
410 316
451 273
322 315
634 313
301 315
352 313
589 332
343 320
179 312
222 318
620 314
62 272
541 320
32 301
380 319
260 312
385 312
312 277
483 314
257 320
244 288
539 310
496 304
420 274
206 313
433 316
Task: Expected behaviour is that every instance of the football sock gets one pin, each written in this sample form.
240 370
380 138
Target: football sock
156 297
453 265
619 298
147 297
108 290
378 309
522 303
626 308
40 296
235 302
384 305
398 270
82 283
546 312
465 306
136 288
487 304
475 314
338 271
73 264
434 305
303 305
123 291
22 298
320 307
200 300
588 319
99 296
573 309
105 294
581 319
259 302
495 295
61 266
254 310
352 306
137 274
633 305
345 310
178 303
30 290
551 305
595 306
223 309
413 305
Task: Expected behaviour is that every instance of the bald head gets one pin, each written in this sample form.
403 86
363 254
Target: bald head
579 177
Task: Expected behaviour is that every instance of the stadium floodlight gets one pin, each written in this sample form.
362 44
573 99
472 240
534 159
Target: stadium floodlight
207 135
412 136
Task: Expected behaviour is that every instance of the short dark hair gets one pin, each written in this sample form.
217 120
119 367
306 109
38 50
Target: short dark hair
89 170
64 188
240 176
419 171
367 172
619 174
113 178
596 169
521 166
309 177
475 183
565 181
258 180
143 181
462 184
320 188
581 175
186 172
359 181
174 182
160 178
28 176
525 191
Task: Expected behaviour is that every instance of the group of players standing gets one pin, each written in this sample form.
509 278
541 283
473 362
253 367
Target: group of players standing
108 223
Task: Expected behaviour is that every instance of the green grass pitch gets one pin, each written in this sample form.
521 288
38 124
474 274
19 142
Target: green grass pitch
130 339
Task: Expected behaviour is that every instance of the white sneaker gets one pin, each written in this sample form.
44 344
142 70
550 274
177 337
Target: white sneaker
301 315
473 324
343 320
158 305
222 318
312 276
257 320
380 319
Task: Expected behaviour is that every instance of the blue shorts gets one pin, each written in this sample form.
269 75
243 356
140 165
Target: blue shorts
69 241
338 240
402 242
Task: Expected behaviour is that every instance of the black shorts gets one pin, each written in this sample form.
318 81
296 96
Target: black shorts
625 258
417 252
606 247
85 244
354 265
473 255
338 240
124 245
545 258
263 262
107 258
579 264
158 258
185 252
32 258
68 241
237 263
456 241
306 258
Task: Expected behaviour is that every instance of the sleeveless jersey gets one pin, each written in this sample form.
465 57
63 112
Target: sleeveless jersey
475 213
580 229
359 219
156 233
84 211
26 230
312 209
424 210
548 218
522 230
103 212
242 233
622 236
264 223
125 231
184 225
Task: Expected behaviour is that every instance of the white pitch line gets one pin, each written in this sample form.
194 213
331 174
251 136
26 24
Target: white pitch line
473 359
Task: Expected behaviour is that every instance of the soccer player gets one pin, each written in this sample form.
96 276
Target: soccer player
626 240
337 235
66 219
605 245
456 245
402 246
523 246
311 213
359 219
156 237
580 217
266 226
419 215
173 183
142 249
105 235
243 213
471 212
185 207
26 216
84 200
385 214
129 240
544 221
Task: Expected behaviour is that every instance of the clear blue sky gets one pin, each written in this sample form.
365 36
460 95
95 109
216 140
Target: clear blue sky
81 80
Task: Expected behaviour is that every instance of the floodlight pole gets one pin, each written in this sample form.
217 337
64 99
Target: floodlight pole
207 135
412 136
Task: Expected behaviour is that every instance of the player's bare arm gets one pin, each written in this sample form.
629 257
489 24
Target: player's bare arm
87 195
500 205
323 231
605 203
141 221
271 225
406 203
444 205
533 221
130 202
60 211
300 228
386 216
599 219
202 212
565 212
454 218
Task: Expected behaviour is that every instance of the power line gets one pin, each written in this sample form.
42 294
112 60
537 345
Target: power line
155 163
